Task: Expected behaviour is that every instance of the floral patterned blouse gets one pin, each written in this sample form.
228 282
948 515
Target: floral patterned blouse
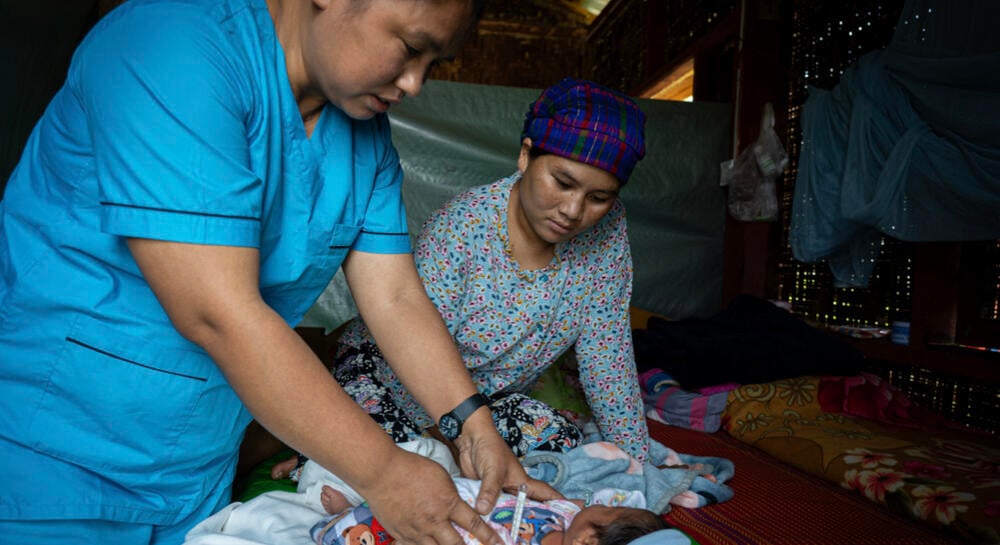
510 324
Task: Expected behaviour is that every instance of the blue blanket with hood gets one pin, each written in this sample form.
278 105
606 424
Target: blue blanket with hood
666 478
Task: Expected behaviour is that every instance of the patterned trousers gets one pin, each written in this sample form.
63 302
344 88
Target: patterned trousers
526 424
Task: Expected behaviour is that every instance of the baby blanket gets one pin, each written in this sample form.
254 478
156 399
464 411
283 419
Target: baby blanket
666 478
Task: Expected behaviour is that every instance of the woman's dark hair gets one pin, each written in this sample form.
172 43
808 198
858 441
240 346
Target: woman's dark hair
536 152
477 9
478 6
623 531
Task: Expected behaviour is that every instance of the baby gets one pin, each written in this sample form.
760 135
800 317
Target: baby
610 517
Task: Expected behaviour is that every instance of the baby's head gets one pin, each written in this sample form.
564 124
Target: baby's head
602 525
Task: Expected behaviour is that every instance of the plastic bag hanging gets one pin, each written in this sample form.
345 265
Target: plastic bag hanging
751 176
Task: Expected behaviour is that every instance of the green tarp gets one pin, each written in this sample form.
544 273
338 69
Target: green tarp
458 135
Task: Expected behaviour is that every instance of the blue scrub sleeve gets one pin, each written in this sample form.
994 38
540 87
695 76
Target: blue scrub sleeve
166 106
385 230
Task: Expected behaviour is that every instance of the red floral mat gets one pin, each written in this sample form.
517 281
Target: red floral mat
776 504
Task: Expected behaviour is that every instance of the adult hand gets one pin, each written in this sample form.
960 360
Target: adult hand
483 454
416 501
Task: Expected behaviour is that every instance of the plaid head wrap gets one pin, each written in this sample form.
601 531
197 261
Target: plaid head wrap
581 120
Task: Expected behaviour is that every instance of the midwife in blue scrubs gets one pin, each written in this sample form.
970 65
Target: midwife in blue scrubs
189 192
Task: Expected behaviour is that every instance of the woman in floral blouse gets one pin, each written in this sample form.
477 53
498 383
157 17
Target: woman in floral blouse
526 268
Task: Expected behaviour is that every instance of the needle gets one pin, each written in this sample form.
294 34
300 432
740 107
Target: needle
522 495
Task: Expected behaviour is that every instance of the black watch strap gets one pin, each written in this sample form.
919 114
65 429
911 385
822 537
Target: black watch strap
452 422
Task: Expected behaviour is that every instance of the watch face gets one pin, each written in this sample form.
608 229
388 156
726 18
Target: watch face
449 427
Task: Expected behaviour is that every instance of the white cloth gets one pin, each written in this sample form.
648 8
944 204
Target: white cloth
314 476
285 518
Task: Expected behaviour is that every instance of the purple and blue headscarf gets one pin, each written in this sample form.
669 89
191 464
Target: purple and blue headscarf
587 122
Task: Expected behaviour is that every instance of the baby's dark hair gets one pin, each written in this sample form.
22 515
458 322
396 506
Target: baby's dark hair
624 530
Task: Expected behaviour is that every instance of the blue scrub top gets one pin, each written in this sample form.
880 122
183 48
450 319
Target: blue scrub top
176 122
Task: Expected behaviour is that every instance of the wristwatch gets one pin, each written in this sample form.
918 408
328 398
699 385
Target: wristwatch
451 423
